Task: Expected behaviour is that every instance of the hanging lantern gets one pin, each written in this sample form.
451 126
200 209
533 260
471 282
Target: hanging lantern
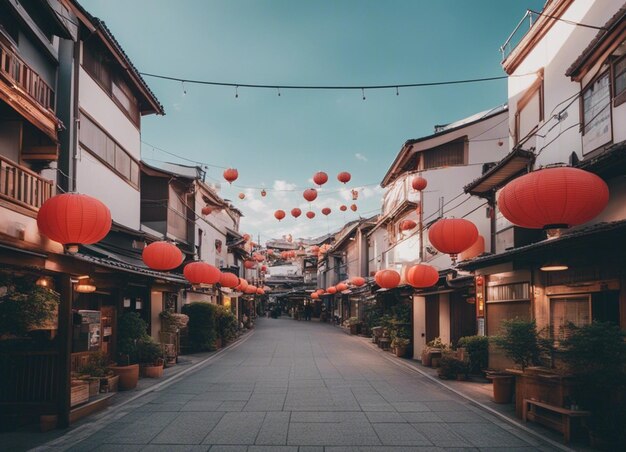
343 207
295 212
258 257
310 194
85 285
279 214
249 264
270 252
310 214
320 291
357 281
229 280
231 175
162 256
250 290
476 249
320 178
242 195
341 287
355 194
452 235
344 177
206 210
264 269
260 291
331 290
421 276
353 207
387 279
201 273
553 198
263 193
314 249
246 237
407 225
315 296
243 285
419 183
326 211
73 219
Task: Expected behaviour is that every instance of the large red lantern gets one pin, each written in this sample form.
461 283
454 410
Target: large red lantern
162 256
73 219
422 276
407 225
387 279
341 287
310 194
295 212
201 273
320 178
553 198
206 210
250 264
452 235
310 214
343 207
279 214
476 249
357 281
315 296
229 280
344 177
231 175
250 290
243 285
326 211
331 290
419 183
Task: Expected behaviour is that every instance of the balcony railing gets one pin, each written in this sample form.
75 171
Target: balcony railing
517 34
17 71
23 186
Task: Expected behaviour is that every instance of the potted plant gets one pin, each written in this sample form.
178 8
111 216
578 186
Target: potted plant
354 325
477 350
95 371
400 345
450 368
150 357
432 350
226 326
130 329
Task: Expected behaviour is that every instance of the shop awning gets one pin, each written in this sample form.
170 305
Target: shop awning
516 162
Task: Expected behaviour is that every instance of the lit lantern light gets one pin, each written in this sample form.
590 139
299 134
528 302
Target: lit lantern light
279 214
229 280
85 285
295 212
260 291
231 175
421 276
249 264
162 256
343 207
407 225
242 195
475 250
419 183
243 285
320 178
387 279
310 194
331 290
553 198
353 207
452 235
310 214
344 177
341 287
206 210
326 211
263 193
73 219
315 296
201 273
357 281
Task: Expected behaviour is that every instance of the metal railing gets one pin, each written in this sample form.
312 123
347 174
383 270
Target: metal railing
29 378
18 72
517 34
23 186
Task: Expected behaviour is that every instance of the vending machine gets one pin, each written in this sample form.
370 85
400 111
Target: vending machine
87 331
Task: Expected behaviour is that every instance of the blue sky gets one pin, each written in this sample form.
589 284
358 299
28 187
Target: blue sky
280 142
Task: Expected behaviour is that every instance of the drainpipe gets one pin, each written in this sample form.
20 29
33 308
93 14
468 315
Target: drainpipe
491 201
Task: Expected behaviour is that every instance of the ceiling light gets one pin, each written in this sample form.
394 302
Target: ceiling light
553 267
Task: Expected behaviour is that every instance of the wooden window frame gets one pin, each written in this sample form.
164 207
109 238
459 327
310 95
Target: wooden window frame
618 99
421 164
537 86
565 297
581 105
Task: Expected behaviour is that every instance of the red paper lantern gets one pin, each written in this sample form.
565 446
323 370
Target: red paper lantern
331 290
162 256
407 225
314 249
243 285
310 215
310 194
260 291
246 237
422 275
476 249
270 252
387 279
553 198
263 193
264 268
295 212
73 219
353 207
320 291
249 264
419 183
315 296
279 214
326 211
341 287
258 257
344 177
231 175
357 281
229 280
206 210
250 290
343 208
452 235
242 195
320 178
201 273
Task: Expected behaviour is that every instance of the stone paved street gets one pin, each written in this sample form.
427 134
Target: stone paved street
309 387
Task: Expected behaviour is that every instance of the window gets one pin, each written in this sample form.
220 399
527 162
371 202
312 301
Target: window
574 310
596 101
619 77
529 112
498 312
507 292
449 154
98 143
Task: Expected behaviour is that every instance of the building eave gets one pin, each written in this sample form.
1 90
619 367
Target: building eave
513 164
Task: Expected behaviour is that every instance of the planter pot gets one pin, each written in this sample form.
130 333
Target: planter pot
435 361
94 386
429 354
109 384
79 393
401 351
354 329
129 376
502 388
152 371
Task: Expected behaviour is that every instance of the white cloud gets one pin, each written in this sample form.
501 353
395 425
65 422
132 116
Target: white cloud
361 157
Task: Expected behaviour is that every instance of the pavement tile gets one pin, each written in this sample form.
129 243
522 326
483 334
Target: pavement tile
321 434
274 429
488 435
236 428
423 416
232 405
384 417
223 448
400 435
188 428
447 405
441 435
404 407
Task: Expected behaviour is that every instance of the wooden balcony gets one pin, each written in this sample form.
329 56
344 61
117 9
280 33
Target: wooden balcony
14 69
23 186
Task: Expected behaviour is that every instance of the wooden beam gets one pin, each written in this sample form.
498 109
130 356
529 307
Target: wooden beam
65 349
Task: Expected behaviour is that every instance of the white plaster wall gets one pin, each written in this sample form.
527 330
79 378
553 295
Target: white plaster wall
156 306
214 228
24 227
419 326
444 317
